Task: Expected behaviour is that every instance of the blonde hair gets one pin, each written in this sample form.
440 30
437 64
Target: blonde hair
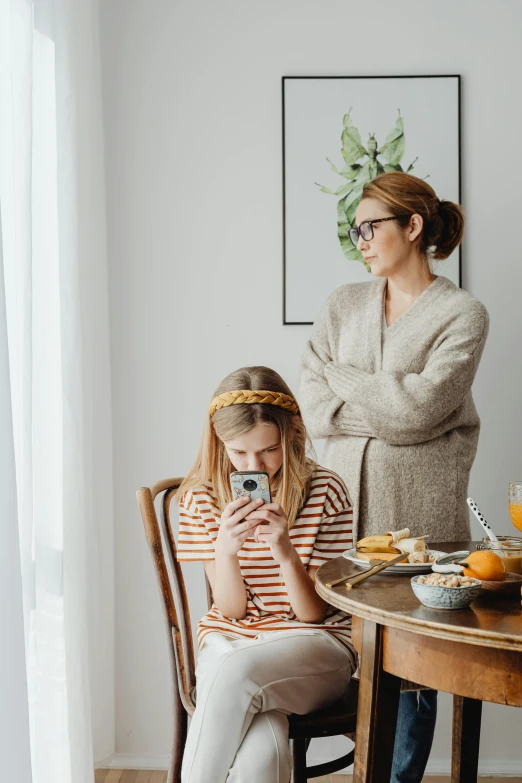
405 195
291 484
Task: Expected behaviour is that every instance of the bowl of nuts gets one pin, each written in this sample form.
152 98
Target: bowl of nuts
446 591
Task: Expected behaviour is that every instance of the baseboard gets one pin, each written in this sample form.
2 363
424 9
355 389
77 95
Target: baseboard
435 766
487 767
130 761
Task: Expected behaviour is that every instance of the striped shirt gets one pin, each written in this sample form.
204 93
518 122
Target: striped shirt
322 531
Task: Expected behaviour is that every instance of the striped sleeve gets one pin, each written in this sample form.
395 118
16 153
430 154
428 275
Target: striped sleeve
195 541
335 533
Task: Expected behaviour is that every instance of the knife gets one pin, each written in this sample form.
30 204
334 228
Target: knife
373 562
353 580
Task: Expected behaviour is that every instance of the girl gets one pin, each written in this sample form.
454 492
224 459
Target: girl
387 381
270 646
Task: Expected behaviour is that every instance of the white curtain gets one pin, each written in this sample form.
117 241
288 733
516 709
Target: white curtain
55 453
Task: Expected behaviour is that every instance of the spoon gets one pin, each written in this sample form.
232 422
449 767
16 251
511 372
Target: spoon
480 516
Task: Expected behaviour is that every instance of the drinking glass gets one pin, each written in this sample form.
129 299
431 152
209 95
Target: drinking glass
515 503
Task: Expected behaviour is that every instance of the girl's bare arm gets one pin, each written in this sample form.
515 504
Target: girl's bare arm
228 588
308 606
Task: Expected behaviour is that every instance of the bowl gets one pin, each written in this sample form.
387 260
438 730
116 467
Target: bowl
446 597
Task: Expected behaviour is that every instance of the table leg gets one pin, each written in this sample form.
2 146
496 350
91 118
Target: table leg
376 712
467 714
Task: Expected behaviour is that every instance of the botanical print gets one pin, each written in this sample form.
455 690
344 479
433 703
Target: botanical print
358 174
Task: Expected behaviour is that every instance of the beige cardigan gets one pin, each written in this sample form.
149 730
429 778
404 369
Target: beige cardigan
395 405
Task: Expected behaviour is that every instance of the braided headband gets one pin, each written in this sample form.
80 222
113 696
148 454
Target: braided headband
247 397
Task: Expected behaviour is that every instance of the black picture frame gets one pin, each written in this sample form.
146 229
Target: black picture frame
286 80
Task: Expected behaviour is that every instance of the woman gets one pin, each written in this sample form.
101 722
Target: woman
387 381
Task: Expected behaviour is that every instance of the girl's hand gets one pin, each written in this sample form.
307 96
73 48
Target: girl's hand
234 529
273 530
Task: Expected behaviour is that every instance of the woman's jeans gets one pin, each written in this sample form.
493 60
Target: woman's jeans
414 735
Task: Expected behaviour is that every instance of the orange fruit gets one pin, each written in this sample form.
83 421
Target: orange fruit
484 565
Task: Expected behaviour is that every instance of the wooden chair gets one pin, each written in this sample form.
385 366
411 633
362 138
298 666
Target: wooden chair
339 718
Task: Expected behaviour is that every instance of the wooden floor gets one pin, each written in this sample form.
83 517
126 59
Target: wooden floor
145 776
428 779
129 776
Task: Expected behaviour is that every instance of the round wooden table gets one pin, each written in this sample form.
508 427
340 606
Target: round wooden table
475 654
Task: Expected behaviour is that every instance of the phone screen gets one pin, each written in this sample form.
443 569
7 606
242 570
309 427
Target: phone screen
251 484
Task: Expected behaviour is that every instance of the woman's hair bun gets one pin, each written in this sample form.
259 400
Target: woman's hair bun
405 195
446 232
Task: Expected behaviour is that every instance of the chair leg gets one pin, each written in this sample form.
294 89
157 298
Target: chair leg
298 749
178 741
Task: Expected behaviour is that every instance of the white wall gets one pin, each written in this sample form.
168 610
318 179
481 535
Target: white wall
192 101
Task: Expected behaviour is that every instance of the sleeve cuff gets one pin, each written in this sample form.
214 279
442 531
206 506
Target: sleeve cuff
343 379
350 424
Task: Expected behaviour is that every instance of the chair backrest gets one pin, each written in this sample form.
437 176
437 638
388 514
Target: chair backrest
171 584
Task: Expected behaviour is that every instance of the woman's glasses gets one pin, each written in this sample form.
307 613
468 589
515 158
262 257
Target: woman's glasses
365 230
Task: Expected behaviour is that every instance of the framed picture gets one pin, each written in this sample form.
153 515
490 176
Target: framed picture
338 132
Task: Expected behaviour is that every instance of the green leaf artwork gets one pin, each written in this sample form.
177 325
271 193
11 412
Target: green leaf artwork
357 174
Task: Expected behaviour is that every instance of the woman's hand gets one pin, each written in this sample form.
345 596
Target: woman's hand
234 529
272 529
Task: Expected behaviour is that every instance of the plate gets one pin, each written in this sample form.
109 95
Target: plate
399 568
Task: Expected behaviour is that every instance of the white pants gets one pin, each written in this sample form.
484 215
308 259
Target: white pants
245 690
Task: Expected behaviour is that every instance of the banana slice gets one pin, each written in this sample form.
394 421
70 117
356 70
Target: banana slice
418 557
397 535
410 545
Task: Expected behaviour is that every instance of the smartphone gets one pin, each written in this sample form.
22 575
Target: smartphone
250 483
